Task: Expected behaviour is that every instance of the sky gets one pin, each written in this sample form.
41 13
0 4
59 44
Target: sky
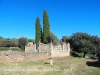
18 17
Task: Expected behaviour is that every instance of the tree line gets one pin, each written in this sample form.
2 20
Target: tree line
83 42
14 42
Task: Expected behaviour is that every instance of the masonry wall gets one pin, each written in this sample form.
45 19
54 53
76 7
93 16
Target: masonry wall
60 50
60 53
44 47
30 54
30 48
11 56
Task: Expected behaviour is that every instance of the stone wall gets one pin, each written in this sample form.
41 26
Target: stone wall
30 48
60 53
44 47
46 51
12 56
60 50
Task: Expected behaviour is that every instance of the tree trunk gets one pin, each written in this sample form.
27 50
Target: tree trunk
84 54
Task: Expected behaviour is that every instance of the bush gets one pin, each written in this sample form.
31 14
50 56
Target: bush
22 42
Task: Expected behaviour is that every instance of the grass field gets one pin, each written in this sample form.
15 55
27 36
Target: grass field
8 48
61 66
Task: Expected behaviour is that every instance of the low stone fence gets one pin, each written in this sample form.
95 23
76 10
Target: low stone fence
12 56
59 53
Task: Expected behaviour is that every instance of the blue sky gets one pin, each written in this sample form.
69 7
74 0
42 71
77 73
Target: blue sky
17 17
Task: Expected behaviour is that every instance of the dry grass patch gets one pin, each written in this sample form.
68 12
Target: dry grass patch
61 66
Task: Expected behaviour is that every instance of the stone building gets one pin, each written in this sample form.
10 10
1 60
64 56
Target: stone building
60 50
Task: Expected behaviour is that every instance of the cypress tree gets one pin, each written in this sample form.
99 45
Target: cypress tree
41 36
46 27
38 30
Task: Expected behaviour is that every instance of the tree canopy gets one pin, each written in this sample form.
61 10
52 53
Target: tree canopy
54 38
83 42
22 42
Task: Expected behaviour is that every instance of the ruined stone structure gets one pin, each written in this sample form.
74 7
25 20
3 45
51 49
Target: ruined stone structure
42 52
15 56
30 48
60 50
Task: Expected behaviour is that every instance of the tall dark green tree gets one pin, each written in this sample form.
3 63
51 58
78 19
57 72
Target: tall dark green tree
38 30
46 27
41 36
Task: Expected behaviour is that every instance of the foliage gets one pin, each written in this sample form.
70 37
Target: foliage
22 42
83 42
8 42
54 38
30 40
41 35
65 38
38 30
46 27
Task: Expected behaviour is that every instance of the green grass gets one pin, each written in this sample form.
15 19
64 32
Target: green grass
81 54
3 48
8 48
61 66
